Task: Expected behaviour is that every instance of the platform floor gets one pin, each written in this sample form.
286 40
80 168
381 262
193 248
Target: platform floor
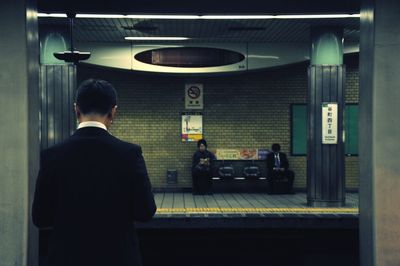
246 203
249 210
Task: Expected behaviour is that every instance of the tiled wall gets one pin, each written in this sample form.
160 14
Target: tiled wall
352 85
249 110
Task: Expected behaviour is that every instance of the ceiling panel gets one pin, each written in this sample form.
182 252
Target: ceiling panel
202 31
200 7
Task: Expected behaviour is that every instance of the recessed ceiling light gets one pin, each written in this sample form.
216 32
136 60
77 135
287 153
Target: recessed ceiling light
237 17
305 16
100 16
318 16
52 15
164 16
156 38
299 16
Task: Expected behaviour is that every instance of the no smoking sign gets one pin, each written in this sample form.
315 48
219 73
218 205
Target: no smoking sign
194 96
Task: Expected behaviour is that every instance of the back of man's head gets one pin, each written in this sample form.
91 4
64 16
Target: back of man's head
95 96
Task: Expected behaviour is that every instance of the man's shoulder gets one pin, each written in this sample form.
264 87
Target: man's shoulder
124 146
127 145
56 148
69 142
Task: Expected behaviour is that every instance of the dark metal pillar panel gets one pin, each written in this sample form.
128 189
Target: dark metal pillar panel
72 85
366 124
313 150
340 149
57 86
325 165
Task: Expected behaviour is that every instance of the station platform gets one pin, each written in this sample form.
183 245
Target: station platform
236 229
248 210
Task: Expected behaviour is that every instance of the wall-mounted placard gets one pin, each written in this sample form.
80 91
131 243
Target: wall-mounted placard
329 123
192 126
193 96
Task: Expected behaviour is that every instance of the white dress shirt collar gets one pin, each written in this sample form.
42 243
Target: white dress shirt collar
92 124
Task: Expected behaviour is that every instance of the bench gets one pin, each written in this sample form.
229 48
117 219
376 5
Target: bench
238 182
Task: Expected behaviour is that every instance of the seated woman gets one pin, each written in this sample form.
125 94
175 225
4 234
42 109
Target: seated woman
201 170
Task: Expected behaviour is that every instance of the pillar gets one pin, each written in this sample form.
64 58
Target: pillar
19 130
379 124
325 155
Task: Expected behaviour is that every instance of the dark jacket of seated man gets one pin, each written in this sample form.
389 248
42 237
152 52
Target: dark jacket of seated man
278 165
90 189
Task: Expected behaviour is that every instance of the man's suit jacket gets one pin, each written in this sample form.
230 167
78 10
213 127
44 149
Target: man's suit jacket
284 163
90 189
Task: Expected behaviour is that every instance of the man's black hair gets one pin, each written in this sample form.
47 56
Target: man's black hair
276 147
202 141
95 96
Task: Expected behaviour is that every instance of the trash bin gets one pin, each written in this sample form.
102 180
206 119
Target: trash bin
172 176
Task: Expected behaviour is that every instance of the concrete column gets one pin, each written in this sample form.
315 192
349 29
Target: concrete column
19 130
325 155
379 124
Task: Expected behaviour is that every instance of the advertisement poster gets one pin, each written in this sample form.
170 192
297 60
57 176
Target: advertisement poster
262 154
237 154
192 126
228 154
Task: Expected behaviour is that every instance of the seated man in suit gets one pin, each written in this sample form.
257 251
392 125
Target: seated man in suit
92 187
278 168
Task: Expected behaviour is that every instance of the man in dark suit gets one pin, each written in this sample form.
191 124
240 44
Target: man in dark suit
92 187
278 168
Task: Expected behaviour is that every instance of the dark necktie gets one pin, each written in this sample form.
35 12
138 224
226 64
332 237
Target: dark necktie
277 161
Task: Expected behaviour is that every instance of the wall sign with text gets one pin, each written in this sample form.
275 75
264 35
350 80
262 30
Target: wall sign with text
329 123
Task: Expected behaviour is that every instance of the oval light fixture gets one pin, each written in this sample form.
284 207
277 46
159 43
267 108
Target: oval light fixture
190 57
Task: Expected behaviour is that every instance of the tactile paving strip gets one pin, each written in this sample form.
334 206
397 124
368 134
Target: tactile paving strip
260 210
